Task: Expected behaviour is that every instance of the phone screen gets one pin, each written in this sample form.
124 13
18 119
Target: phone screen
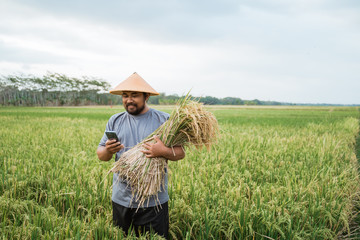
112 135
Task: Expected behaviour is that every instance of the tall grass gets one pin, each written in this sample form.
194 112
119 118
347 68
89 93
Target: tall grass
276 173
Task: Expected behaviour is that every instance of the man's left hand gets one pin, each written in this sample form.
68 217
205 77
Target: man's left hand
157 149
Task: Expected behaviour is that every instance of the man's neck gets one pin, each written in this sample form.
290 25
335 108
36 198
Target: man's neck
146 108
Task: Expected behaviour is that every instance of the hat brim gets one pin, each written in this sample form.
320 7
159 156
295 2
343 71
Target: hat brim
118 92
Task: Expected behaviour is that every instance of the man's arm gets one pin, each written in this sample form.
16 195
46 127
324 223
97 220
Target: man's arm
158 149
106 152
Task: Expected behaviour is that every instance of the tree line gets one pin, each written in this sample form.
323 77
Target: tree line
164 99
54 89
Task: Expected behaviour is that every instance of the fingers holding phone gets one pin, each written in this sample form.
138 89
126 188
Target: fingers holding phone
113 146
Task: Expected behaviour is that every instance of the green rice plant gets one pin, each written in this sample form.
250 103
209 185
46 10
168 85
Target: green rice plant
277 172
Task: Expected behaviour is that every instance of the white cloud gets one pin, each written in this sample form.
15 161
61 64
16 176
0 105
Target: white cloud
301 51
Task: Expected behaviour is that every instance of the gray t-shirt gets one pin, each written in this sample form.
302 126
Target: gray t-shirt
132 129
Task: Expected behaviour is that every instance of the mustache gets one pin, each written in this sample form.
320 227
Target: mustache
131 104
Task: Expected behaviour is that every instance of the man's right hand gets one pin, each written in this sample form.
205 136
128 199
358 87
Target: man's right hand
105 153
112 146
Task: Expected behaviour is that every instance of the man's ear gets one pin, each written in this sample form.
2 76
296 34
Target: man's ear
147 96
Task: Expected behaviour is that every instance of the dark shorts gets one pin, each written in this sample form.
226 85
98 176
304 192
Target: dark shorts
152 219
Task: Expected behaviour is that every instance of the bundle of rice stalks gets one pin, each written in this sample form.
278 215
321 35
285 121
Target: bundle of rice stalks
189 124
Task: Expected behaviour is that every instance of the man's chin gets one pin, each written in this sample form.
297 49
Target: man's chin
131 109
135 111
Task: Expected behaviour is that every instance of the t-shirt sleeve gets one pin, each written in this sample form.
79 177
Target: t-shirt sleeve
107 128
164 117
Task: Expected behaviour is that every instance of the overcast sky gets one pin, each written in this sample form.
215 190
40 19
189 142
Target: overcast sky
300 51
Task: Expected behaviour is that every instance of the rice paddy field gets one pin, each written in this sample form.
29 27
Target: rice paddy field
275 173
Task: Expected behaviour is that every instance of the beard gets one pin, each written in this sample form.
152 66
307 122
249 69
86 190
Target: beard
137 110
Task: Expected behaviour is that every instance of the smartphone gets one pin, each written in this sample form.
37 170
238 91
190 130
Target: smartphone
112 135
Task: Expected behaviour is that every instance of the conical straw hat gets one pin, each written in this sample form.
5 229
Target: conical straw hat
134 83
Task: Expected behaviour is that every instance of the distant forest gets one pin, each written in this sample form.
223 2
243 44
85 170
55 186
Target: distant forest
54 89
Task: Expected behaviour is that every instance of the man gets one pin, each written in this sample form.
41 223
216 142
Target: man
132 126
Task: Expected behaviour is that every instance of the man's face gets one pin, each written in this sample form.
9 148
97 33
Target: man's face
134 102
